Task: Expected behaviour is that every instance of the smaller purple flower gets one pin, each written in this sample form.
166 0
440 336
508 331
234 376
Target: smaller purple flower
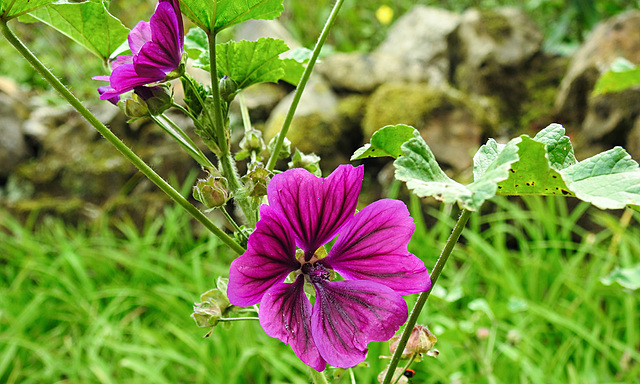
304 213
157 47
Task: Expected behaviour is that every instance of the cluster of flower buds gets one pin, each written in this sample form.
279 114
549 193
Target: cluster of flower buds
147 101
213 191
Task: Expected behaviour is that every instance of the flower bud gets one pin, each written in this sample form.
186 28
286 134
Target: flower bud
256 181
420 341
134 108
213 304
212 191
285 150
252 141
228 88
309 162
157 98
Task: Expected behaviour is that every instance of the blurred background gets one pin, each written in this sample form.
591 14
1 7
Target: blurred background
99 272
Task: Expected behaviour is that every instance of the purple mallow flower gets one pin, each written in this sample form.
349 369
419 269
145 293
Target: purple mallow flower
156 46
304 213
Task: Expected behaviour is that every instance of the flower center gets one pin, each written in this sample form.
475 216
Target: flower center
316 272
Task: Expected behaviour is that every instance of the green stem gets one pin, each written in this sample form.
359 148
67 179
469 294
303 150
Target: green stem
230 220
226 161
190 115
181 137
115 141
239 318
301 85
422 299
317 377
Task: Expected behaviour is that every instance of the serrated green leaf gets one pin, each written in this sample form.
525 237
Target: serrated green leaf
251 62
419 169
294 63
386 141
532 174
558 146
10 9
628 278
608 180
88 23
195 42
232 12
215 15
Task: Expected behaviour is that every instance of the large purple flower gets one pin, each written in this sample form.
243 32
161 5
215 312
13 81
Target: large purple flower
370 253
156 46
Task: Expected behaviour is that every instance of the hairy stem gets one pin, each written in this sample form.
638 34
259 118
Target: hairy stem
115 141
301 85
226 162
422 299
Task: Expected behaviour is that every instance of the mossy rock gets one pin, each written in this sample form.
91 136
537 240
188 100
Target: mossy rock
453 123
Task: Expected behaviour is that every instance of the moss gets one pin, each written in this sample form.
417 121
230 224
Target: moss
494 24
416 104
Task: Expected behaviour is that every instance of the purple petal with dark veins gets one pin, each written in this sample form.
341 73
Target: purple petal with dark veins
164 51
139 35
285 313
124 78
373 246
316 208
348 314
269 258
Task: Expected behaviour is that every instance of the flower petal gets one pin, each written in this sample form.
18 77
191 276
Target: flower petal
285 313
164 51
124 78
269 258
139 35
373 246
316 208
348 314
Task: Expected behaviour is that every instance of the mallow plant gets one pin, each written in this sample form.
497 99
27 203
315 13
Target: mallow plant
318 274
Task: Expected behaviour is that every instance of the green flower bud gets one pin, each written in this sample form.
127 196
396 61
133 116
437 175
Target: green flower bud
420 341
228 88
256 180
252 141
212 306
134 107
157 98
212 191
285 150
310 162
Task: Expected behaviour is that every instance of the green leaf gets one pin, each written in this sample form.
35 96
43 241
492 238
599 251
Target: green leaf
558 146
386 141
628 278
419 169
88 23
294 63
10 9
622 75
215 15
532 173
608 180
251 62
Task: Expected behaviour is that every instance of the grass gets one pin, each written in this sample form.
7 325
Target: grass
519 302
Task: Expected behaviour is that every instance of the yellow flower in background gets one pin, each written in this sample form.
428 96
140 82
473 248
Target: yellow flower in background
384 14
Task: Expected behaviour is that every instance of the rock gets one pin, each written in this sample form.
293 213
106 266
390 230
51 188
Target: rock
316 126
253 30
451 122
610 119
633 141
616 37
13 148
260 100
415 51
490 51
